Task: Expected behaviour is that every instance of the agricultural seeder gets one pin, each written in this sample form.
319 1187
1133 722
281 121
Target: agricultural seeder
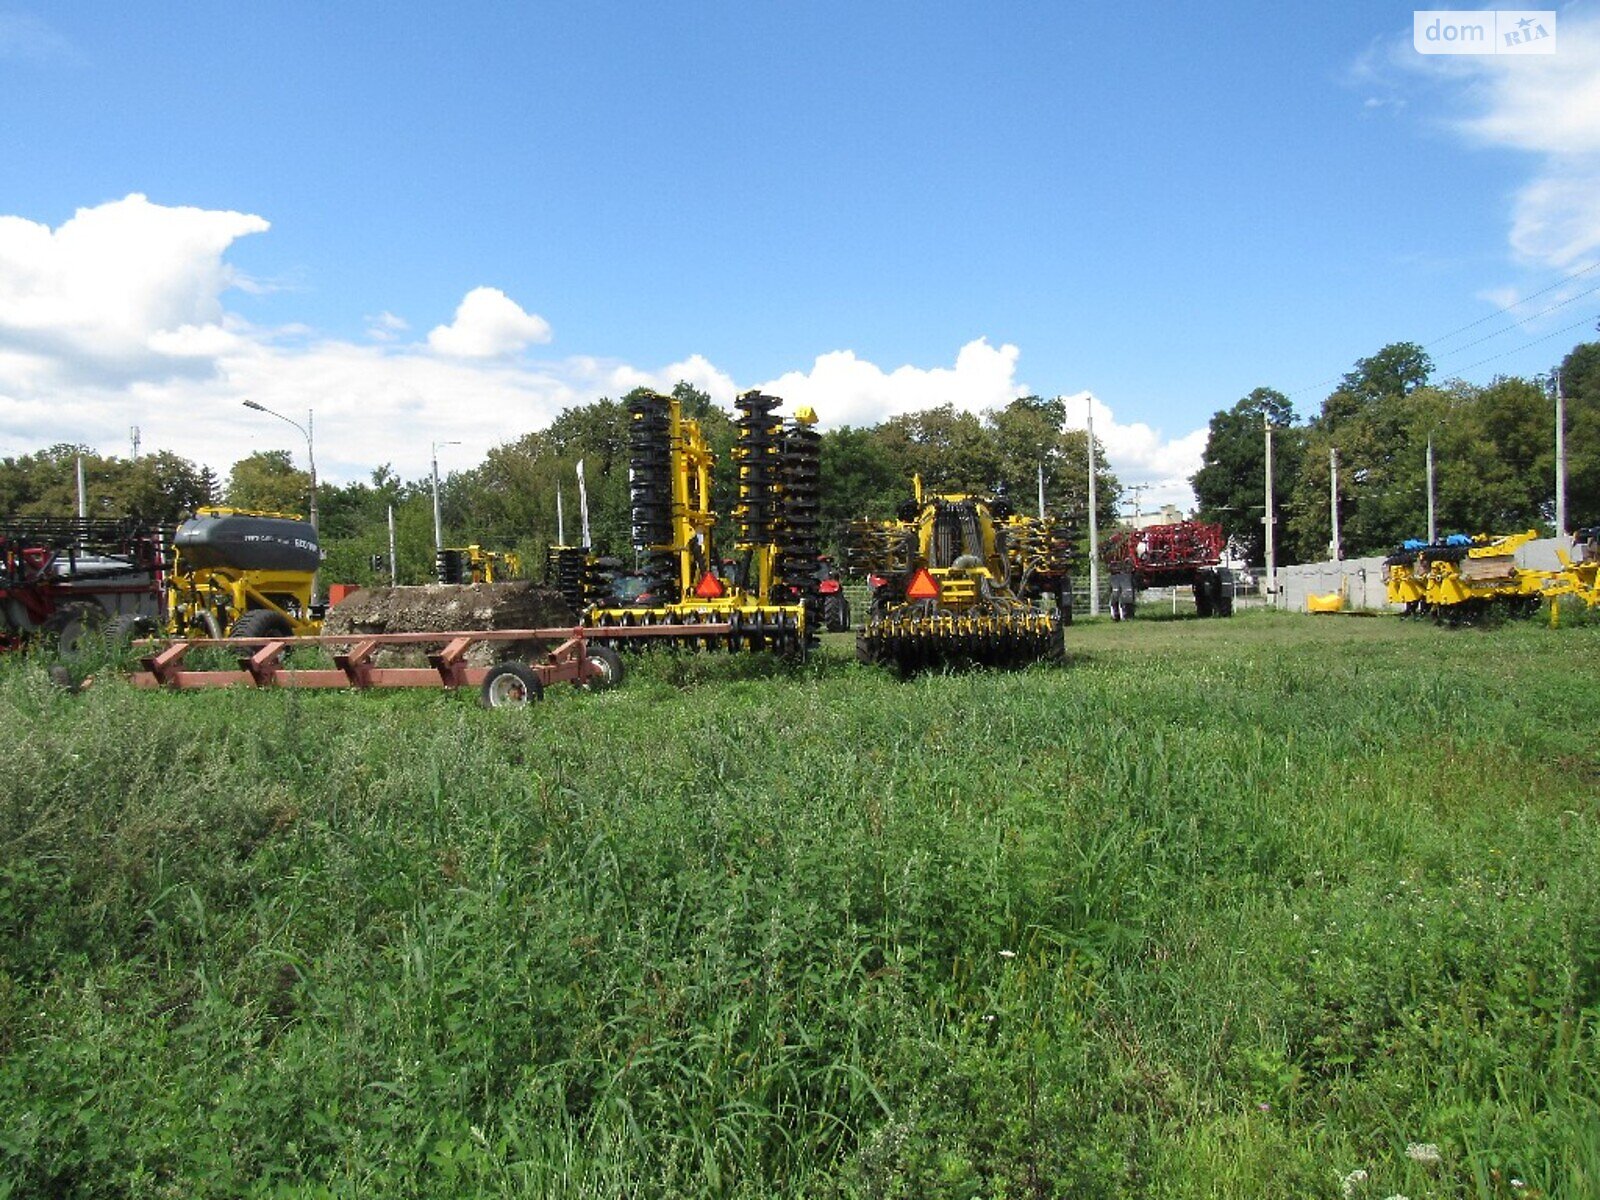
954 582
762 596
1580 570
1179 554
1464 579
242 573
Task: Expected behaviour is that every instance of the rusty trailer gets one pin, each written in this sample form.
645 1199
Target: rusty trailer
502 685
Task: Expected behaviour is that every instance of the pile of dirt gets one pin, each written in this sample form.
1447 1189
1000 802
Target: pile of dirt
445 608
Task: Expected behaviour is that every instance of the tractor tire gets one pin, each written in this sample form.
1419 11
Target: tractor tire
1064 605
261 622
835 613
71 630
127 628
510 685
611 669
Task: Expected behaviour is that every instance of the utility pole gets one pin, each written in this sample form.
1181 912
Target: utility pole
83 495
1561 460
1272 557
1433 529
1094 530
1333 498
394 569
133 435
438 524
583 501
1041 491
561 520
1138 490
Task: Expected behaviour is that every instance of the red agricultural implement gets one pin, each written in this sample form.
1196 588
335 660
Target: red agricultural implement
262 661
63 577
1184 553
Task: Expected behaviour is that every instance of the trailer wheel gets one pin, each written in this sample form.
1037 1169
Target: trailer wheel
261 622
68 630
611 669
126 628
511 685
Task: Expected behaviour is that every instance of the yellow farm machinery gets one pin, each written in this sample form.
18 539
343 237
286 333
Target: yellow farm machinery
956 581
243 574
474 564
762 594
1464 579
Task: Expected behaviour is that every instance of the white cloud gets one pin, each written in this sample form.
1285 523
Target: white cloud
489 324
846 390
1140 454
386 327
1546 106
117 319
119 287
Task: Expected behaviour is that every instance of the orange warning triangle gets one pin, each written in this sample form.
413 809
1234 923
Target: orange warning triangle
709 587
923 586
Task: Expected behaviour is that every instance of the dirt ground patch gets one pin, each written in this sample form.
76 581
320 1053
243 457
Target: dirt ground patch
444 608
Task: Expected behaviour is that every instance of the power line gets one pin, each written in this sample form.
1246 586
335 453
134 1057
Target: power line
1525 345
1594 266
1489 337
1499 312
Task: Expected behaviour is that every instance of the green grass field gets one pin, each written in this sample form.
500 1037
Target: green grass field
1225 908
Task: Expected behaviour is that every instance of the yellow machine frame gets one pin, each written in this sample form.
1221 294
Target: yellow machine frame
206 601
706 592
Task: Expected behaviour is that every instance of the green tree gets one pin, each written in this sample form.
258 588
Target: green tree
1230 486
267 481
1580 387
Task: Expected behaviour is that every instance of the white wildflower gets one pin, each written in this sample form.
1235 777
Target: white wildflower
1352 1181
1518 1184
1008 954
1425 1153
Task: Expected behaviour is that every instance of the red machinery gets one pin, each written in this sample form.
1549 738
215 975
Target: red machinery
62 577
1187 552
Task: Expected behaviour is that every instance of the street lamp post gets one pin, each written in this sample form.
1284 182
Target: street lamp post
438 524
306 431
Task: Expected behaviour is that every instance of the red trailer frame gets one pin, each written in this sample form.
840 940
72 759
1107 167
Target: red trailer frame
261 660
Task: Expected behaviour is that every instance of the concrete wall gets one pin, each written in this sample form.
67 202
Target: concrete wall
1363 577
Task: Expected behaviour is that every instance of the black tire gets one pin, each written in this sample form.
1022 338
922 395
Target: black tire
261 622
125 629
611 669
1202 598
835 613
70 629
511 685
1064 605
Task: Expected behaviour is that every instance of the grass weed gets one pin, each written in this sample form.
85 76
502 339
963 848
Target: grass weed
1226 908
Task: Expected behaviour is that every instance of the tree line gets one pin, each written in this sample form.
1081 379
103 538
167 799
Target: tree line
509 500
1493 451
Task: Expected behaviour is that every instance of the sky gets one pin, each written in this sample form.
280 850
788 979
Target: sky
406 225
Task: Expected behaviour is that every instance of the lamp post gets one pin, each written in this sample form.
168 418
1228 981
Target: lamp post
1094 525
311 456
438 524
311 462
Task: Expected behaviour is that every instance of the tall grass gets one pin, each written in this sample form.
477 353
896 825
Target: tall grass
1227 908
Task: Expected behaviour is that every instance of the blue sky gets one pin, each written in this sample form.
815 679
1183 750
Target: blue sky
426 223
